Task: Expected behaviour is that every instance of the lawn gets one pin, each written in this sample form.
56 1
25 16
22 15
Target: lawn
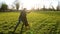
43 22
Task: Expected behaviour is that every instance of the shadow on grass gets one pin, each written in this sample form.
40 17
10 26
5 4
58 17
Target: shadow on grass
1 32
10 32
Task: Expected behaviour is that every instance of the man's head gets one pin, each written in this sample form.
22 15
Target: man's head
24 9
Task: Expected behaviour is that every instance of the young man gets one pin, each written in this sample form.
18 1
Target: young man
23 18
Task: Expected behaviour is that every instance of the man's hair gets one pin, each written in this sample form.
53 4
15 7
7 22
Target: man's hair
24 9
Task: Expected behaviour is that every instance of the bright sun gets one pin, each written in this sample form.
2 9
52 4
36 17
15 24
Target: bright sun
31 3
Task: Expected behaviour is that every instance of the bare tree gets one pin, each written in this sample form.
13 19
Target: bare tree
16 2
44 7
58 6
51 7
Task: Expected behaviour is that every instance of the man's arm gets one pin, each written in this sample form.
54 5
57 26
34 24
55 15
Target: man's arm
28 11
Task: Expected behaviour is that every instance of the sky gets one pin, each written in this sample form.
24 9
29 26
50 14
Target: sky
32 3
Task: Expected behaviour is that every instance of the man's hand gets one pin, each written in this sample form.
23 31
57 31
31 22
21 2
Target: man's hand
28 11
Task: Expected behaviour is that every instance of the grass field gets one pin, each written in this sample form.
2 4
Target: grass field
40 22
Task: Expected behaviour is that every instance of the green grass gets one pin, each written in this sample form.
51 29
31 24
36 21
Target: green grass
40 22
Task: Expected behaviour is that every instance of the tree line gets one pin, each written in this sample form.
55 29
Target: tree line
4 7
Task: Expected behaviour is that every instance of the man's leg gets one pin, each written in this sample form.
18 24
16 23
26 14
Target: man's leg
17 25
27 27
26 24
22 28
